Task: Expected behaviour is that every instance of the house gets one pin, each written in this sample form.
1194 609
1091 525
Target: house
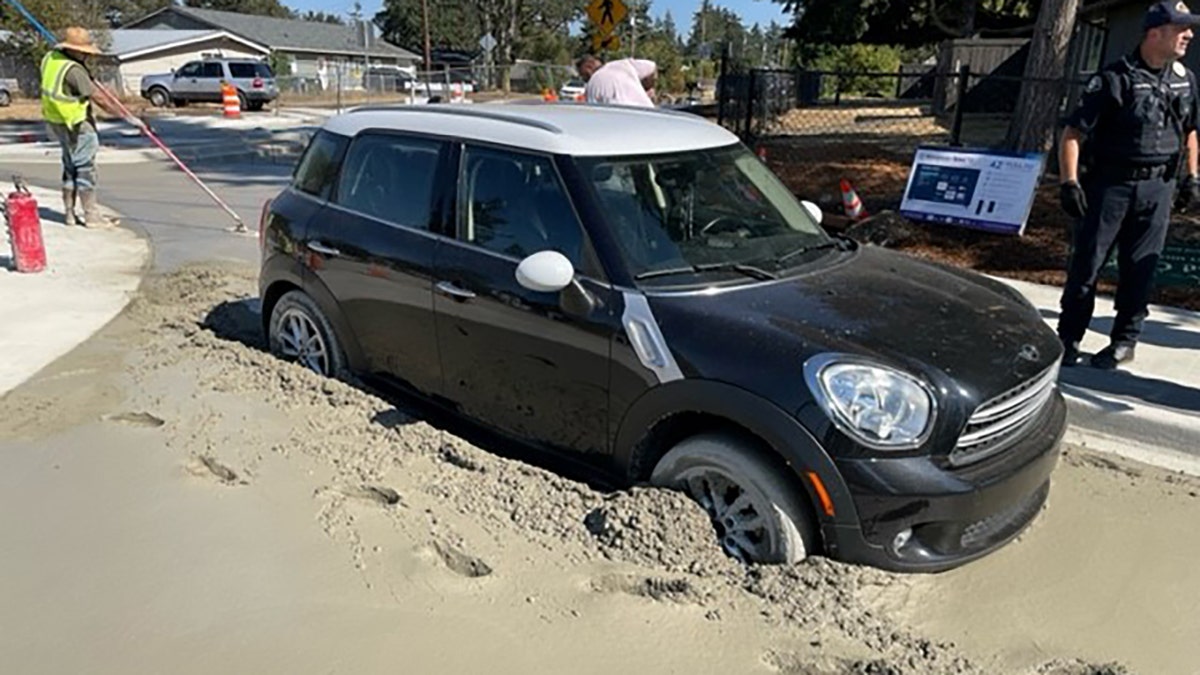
1122 24
315 52
141 51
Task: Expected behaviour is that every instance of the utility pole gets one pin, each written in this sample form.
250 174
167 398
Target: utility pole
428 51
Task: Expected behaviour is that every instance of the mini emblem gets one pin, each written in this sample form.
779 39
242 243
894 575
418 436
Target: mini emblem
1183 8
1029 353
1179 69
1093 85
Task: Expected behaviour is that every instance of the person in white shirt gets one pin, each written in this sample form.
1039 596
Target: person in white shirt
623 82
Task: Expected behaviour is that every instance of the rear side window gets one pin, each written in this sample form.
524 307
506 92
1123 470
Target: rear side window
316 174
249 70
391 178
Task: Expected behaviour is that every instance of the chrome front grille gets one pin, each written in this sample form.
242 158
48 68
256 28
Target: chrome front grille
1000 420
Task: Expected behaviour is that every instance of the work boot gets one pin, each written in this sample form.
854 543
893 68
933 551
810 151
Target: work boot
1071 354
92 216
1112 356
68 206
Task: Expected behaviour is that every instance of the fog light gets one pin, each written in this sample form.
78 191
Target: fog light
901 539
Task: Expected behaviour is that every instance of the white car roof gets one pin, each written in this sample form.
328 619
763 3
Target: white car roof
563 128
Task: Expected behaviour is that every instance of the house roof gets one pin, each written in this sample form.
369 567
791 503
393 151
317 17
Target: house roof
287 34
129 43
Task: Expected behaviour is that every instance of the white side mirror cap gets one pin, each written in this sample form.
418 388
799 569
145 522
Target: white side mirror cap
813 210
545 272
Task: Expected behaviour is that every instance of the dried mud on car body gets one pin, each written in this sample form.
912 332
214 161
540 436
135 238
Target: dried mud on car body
199 326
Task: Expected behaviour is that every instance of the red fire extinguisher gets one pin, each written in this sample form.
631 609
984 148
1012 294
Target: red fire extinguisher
24 229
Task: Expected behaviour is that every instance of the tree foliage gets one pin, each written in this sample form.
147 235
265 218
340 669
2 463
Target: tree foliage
54 15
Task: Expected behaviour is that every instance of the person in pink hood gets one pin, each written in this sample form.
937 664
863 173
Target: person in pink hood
623 82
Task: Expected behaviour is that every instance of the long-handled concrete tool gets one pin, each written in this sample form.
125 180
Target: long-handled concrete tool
239 226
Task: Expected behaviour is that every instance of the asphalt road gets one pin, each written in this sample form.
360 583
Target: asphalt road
181 222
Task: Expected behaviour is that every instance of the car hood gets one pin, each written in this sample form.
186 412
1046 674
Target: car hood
955 328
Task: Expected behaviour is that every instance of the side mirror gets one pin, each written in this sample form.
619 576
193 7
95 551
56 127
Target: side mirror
813 211
545 272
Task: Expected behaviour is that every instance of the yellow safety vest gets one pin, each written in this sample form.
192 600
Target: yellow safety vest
57 106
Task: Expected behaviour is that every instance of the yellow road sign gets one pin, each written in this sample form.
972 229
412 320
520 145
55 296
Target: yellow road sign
602 43
606 14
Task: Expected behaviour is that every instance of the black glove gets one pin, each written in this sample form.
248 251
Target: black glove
1189 194
1073 200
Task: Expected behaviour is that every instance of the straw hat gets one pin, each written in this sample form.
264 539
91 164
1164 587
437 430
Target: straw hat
78 39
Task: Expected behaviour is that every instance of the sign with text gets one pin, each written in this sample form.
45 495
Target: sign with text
982 189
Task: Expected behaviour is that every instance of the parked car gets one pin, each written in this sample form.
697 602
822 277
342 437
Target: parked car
200 82
637 288
387 79
8 86
572 90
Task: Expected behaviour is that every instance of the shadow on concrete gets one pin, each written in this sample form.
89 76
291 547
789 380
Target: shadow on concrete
1091 384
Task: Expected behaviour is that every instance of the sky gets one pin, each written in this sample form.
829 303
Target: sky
751 11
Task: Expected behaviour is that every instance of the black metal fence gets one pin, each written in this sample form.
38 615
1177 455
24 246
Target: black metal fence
905 108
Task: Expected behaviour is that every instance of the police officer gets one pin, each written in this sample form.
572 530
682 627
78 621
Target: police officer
1139 118
67 94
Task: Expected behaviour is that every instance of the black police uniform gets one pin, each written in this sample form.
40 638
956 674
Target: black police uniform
1135 120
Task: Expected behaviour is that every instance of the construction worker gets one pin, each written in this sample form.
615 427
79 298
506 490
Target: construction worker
67 95
587 66
1139 118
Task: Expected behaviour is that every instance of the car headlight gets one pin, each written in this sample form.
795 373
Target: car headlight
881 407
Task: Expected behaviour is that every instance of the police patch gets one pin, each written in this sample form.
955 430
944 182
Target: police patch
1093 84
1178 67
1182 8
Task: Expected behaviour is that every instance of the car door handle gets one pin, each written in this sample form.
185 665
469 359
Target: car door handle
448 288
319 247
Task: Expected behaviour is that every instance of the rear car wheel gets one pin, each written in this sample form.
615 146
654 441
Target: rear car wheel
255 106
300 332
755 506
5 99
159 98
242 105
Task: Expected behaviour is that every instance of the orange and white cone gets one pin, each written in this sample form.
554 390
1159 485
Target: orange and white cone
851 203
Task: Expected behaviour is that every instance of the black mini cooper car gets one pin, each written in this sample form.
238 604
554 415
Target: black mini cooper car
636 287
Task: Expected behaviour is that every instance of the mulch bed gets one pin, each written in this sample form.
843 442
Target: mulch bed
1039 256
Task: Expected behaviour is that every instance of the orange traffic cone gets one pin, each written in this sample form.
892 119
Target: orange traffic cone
231 104
851 203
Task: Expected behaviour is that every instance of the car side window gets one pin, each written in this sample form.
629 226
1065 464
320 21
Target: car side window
517 205
211 70
391 178
190 70
316 173
242 71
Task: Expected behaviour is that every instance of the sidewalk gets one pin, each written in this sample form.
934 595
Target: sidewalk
90 275
1148 410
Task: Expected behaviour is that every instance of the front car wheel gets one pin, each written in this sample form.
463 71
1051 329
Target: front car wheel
755 505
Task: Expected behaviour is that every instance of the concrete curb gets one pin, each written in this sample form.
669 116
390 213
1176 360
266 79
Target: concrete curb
91 276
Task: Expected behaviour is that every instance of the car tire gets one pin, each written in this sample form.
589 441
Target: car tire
255 106
242 104
300 332
772 522
5 99
159 97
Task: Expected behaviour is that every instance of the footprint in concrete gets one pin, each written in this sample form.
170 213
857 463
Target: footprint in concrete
460 562
375 494
210 467
135 419
655 588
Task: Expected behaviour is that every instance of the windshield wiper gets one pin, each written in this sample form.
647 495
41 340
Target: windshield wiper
747 270
837 242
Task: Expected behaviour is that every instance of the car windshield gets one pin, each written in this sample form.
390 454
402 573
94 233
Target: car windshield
703 211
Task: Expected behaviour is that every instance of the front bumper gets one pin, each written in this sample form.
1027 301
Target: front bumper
950 516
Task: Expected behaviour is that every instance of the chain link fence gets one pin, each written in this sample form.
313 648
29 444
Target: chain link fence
351 85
